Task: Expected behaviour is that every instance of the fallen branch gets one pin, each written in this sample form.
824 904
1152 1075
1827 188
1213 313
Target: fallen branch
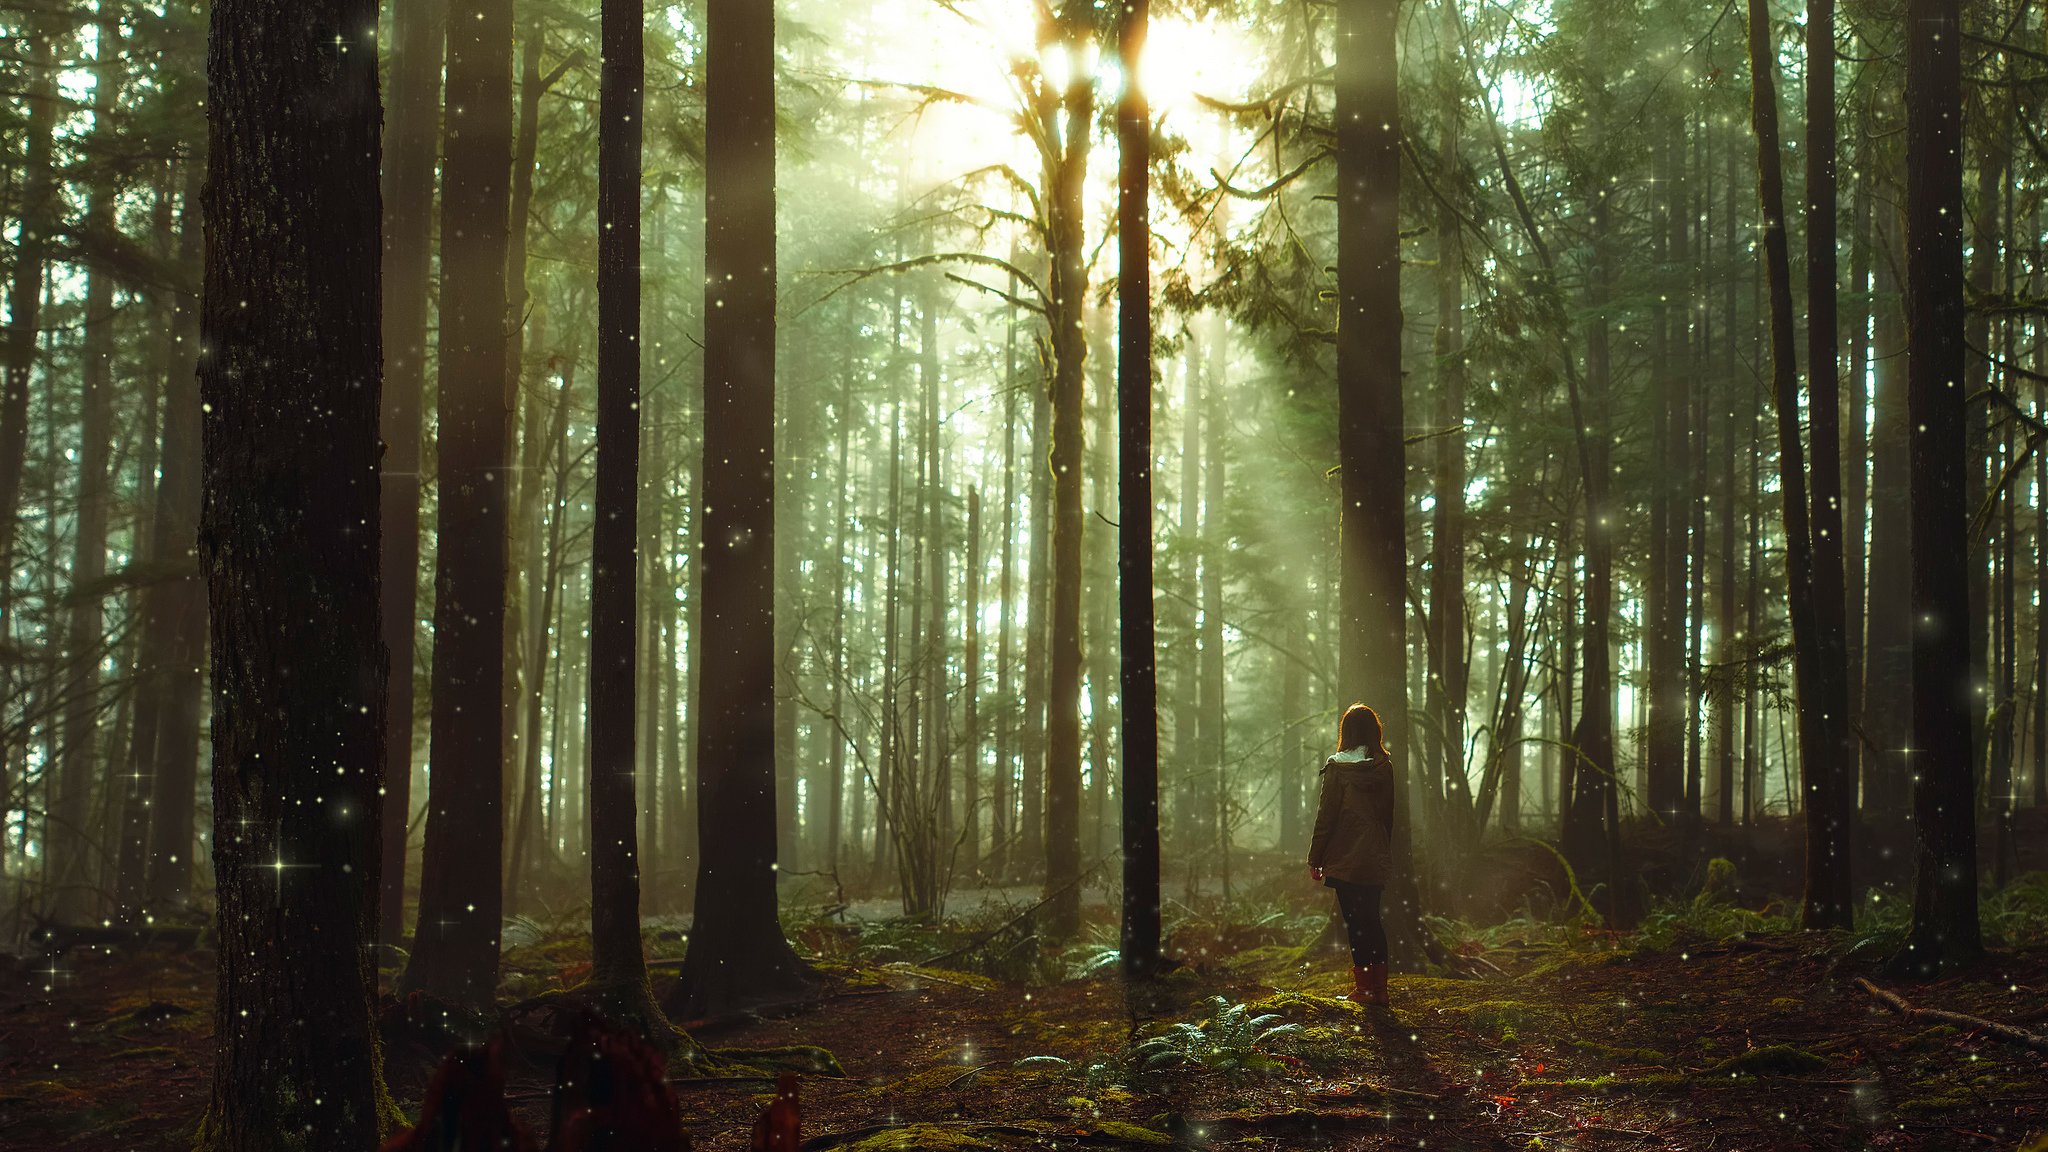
2004 1032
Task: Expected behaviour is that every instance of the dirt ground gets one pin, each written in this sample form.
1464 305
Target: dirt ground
1597 1042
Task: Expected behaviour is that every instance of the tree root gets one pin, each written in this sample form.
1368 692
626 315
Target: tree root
2006 1032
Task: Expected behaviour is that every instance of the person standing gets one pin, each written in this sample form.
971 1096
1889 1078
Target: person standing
1351 851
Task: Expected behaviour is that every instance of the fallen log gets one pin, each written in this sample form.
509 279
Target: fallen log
2005 1032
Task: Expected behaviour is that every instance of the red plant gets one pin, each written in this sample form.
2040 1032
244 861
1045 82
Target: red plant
777 1129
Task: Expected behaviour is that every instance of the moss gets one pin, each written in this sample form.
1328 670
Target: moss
1128 1133
1940 1102
53 1092
1502 1017
947 976
793 1058
1304 1008
922 1138
144 1053
1774 1059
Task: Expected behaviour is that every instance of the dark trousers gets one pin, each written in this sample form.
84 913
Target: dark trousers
1360 904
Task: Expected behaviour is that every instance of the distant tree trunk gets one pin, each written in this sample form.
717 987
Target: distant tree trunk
1372 534
937 737
1449 669
1002 812
1664 601
1945 930
546 575
1031 786
1101 600
37 213
618 971
1822 704
180 610
970 735
1856 457
737 951
290 402
842 529
1138 938
71 840
173 516
1589 802
1888 650
1211 699
419 34
455 940
892 721
1830 778
1188 812
1066 220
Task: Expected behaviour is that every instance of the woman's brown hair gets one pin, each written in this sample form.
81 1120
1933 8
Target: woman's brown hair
1361 727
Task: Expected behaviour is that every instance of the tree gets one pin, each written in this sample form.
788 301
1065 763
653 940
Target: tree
289 392
1944 931
618 971
1820 667
737 951
455 940
1138 673
1372 659
419 33
1069 114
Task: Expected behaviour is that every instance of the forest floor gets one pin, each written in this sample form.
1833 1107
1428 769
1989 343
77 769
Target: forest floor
1682 1035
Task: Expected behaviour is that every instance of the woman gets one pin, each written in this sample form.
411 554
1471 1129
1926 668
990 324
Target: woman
1353 845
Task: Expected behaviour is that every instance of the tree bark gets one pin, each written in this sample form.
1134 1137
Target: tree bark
737 951
1944 931
1139 934
1066 180
455 940
1830 782
419 35
1371 525
618 971
290 416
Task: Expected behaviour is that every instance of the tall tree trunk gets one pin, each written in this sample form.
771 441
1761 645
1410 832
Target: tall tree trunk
618 971
1066 220
1031 785
737 951
1371 636
455 941
1821 697
1856 461
290 403
419 35
1449 669
1944 931
841 530
1830 779
1189 815
1137 666
546 575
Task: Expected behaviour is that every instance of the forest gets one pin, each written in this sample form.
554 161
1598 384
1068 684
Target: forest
627 575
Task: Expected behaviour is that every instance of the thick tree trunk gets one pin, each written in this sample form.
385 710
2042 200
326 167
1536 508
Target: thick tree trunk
1066 220
1945 930
1138 670
412 139
38 217
1372 535
618 971
455 941
737 951
290 402
1830 780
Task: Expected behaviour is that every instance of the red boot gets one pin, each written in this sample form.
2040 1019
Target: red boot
1369 985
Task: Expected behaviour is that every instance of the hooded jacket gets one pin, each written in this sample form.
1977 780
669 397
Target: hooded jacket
1354 834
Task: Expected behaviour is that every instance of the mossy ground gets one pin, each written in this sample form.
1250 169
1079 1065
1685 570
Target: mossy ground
1585 1040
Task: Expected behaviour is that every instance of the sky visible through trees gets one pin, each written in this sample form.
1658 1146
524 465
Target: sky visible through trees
790 496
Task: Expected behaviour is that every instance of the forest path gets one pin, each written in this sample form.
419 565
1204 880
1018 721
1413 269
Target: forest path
1745 1044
